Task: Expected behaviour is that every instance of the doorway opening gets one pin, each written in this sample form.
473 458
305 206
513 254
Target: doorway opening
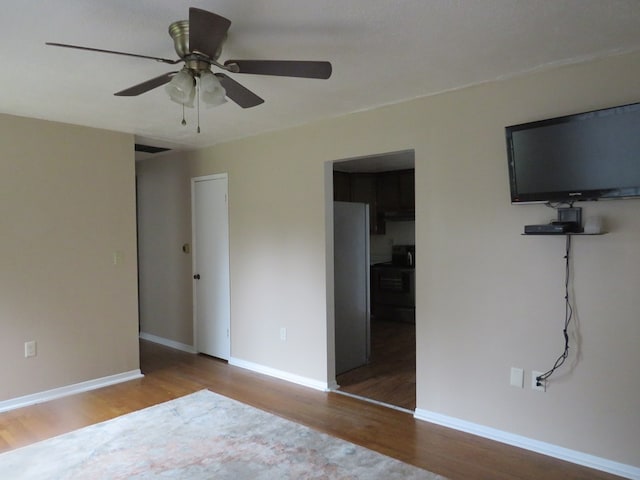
385 184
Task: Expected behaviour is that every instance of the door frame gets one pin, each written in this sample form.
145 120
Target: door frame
330 255
194 253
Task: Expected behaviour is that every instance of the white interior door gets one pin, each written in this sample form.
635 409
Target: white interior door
211 265
351 284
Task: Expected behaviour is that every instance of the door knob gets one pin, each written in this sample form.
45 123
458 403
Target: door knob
197 276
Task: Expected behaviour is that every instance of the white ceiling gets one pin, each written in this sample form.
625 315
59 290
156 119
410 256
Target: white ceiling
382 52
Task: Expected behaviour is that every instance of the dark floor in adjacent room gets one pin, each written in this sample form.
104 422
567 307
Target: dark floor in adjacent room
390 375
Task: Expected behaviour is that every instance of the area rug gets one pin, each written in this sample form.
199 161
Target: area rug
201 436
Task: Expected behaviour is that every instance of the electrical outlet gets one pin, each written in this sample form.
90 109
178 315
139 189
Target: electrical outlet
517 377
534 382
283 334
30 349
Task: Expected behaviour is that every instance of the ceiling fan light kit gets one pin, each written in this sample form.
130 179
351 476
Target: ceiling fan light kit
198 42
212 92
181 88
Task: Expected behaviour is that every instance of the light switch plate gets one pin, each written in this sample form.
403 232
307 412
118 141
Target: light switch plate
118 257
30 349
517 377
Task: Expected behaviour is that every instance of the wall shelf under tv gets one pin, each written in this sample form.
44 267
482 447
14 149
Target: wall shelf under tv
561 234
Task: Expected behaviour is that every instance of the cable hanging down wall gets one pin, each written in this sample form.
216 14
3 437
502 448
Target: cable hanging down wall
541 379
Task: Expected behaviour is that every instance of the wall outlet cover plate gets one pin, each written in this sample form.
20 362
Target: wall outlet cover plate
534 382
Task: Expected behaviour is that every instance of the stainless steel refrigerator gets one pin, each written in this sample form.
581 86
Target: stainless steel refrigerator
351 281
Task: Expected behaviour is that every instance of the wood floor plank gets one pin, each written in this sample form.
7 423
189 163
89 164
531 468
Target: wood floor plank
390 375
170 374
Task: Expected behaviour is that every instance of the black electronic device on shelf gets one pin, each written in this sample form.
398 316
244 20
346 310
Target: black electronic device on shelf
569 221
560 228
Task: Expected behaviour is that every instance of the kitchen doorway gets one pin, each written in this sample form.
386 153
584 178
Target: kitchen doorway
386 184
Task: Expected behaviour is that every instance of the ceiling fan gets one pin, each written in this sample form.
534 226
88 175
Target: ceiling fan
198 42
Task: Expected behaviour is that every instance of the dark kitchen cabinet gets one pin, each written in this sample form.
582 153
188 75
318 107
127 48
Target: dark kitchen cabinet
364 190
407 184
390 195
396 190
388 191
341 187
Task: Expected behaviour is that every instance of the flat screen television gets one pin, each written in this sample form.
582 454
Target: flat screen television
586 156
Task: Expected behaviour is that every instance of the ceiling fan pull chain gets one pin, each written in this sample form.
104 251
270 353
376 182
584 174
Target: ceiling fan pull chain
184 122
198 95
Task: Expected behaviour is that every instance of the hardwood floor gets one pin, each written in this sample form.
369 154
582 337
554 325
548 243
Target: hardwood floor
170 373
390 375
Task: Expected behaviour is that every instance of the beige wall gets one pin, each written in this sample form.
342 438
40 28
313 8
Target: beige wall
66 205
164 226
488 298
276 231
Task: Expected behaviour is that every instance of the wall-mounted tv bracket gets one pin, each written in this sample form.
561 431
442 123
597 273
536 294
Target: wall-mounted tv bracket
572 216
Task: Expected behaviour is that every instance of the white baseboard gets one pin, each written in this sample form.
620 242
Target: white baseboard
573 456
167 343
282 375
47 395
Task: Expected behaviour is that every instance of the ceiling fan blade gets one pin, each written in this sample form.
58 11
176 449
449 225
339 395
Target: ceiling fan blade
207 31
282 68
157 59
146 86
239 94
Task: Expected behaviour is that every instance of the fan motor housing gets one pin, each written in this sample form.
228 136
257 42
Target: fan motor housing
179 32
